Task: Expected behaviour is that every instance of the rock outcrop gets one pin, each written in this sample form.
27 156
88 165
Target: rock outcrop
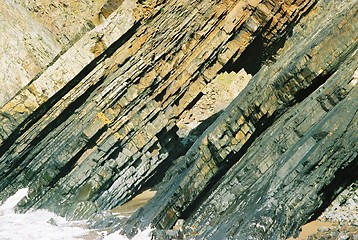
26 48
343 215
127 106
36 33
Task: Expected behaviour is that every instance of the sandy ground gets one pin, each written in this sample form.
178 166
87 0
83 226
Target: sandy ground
141 199
130 207
312 228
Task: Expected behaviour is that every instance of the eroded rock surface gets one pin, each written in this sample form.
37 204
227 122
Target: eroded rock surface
36 33
343 213
27 47
128 106
65 19
216 96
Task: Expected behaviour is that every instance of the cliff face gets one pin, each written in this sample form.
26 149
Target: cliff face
127 106
36 33
27 47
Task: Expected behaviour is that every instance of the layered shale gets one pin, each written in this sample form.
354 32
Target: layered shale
134 101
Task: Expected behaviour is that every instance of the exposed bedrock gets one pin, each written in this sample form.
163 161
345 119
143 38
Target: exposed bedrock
26 48
280 152
136 102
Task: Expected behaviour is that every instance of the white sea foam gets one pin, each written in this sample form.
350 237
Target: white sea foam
45 225
38 224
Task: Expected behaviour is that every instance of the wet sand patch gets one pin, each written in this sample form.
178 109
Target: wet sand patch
312 228
131 206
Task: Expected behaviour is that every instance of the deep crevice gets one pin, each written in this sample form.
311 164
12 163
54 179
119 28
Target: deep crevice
344 177
259 52
159 97
264 123
176 148
194 101
251 58
315 84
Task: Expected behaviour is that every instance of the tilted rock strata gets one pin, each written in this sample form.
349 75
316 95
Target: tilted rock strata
65 19
27 47
290 169
269 94
70 67
94 135
36 33
216 96
117 123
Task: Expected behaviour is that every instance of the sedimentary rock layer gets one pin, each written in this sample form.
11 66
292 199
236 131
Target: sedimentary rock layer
26 48
36 33
283 141
101 122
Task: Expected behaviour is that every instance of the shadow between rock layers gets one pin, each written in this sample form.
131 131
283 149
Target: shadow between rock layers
280 152
88 138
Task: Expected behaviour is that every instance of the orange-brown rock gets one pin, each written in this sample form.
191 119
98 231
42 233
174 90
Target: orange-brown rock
111 116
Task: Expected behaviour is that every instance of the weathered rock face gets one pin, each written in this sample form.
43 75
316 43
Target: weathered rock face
344 208
281 149
65 19
111 116
343 213
216 96
36 33
26 48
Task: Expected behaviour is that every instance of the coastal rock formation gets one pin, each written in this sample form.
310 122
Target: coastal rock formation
216 96
274 157
343 214
344 208
134 101
36 33
65 19
26 48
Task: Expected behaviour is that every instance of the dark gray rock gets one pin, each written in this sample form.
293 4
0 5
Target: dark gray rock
272 160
